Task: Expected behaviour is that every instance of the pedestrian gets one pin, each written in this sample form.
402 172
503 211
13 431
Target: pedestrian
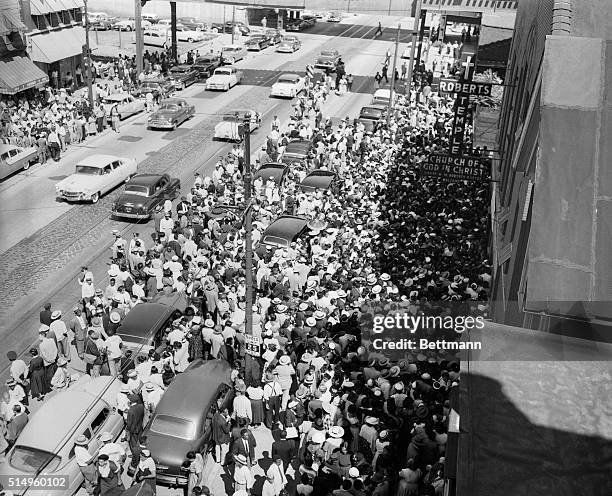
243 478
49 354
78 326
36 375
86 461
115 118
404 70
194 464
384 73
221 426
109 477
41 149
378 78
379 30
134 428
349 83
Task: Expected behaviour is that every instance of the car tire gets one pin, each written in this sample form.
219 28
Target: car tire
26 166
95 197
190 40
214 30
128 28
226 87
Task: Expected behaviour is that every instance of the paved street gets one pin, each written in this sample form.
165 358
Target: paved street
45 242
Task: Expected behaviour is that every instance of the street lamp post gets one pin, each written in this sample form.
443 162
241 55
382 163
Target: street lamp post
89 61
248 223
415 31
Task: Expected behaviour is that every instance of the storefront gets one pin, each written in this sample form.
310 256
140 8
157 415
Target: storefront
58 53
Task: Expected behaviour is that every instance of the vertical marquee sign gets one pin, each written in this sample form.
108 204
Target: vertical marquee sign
462 108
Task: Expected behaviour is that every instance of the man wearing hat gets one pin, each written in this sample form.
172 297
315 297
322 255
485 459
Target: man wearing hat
61 378
19 373
243 478
133 426
78 326
86 462
284 449
59 332
272 394
16 425
276 472
115 451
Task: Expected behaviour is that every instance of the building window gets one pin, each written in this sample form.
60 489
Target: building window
39 21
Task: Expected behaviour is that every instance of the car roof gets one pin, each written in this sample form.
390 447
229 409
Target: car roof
383 92
145 179
48 427
298 146
291 75
99 160
285 227
6 148
137 325
271 169
193 390
318 179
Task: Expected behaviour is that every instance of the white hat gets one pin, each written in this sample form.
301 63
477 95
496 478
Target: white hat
106 437
353 472
385 277
56 314
115 318
209 323
336 431
376 289
311 321
319 315
284 360
281 308
114 270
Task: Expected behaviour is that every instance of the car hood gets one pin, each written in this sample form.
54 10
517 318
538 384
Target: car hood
326 59
78 182
136 200
286 43
218 78
163 115
284 85
179 76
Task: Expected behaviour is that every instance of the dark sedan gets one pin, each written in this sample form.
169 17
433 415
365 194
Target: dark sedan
284 231
171 113
217 27
105 24
257 42
318 180
143 193
192 23
371 117
296 151
155 86
297 25
206 65
328 59
183 418
145 327
275 171
274 35
183 75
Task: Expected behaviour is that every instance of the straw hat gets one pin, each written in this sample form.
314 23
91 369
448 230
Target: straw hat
336 431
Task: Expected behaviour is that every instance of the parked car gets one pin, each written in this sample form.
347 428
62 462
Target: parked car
14 158
155 86
192 23
183 75
171 113
143 193
126 104
157 37
228 128
183 33
285 230
318 180
146 325
309 20
296 151
373 112
130 25
289 44
152 18
272 170
84 409
288 86
382 96
334 17
242 27
230 54
182 421
164 23
407 50
103 24
224 78
257 42
94 176
274 35
296 25
206 65
328 59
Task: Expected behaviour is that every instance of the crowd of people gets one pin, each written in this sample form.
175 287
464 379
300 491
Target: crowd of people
346 419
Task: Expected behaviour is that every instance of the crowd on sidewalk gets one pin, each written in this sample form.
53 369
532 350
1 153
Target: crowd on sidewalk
347 419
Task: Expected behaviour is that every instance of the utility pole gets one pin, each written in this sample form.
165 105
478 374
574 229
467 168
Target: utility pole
415 31
88 78
138 34
248 224
174 53
233 21
422 35
390 106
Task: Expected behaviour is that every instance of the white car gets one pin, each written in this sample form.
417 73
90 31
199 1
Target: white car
288 86
126 104
230 54
407 50
191 35
94 176
14 158
227 129
224 78
150 17
157 37
130 24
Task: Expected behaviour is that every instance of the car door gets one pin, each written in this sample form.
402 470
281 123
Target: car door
118 173
12 160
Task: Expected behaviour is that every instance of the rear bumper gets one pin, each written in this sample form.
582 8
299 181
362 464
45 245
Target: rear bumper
171 480
131 215
160 125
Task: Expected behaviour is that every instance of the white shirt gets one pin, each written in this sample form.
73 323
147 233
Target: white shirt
113 346
19 370
82 455
114 451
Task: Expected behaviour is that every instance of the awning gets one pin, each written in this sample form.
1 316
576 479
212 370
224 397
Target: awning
57 45
10 22
18 73
42 7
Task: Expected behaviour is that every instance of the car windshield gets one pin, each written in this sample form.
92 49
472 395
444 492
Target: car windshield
223 72
173 426
369 111
232 117
112 99
289 39
180 69
205 60
287 79
137 189
88 170
229 49
172 107
327 53
31 460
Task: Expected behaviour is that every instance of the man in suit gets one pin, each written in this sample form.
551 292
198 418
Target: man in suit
283 448
16 425
221 434
79 327
245 446
133 427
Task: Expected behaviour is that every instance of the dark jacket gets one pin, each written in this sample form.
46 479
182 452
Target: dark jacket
239 449
220 429
285 448
135 416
